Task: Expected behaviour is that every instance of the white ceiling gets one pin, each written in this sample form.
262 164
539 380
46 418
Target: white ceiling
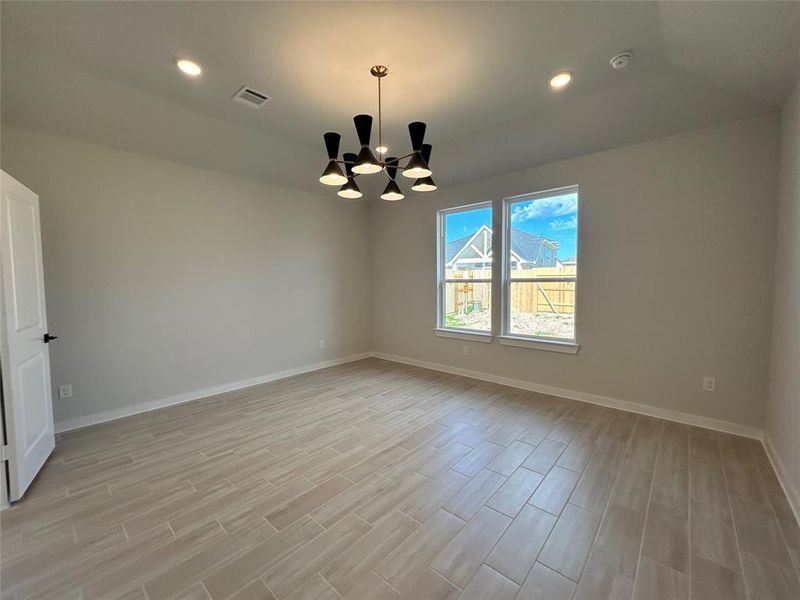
475 72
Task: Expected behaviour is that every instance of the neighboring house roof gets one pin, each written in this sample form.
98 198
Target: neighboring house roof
526 246
475 247
455 247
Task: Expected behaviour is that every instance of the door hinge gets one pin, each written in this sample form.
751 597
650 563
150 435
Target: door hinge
5 453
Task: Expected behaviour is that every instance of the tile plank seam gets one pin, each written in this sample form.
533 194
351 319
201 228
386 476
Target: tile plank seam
212 463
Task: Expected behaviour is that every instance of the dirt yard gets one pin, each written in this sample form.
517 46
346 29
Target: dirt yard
559 325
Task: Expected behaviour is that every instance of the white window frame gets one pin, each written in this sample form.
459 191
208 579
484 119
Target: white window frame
474 335
569 346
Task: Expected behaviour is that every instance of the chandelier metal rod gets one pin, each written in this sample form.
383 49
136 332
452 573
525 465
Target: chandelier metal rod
362 174
381 162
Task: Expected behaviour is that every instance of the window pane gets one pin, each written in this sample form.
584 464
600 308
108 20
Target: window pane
466 256
467 305
468 244
544 236
543 309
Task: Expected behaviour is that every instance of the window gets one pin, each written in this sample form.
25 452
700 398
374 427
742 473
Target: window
465 269
539 271
540 249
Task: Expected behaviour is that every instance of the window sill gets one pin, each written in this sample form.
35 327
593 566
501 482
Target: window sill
469 336
550 346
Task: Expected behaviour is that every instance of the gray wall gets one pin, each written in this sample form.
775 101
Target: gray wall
676 270
783 412
164 279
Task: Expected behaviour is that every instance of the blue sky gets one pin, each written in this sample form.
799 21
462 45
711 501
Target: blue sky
554 218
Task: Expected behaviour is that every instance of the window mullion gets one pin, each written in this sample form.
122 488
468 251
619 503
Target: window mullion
467 280
543 279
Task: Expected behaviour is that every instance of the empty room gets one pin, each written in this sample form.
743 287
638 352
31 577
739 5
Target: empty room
399 300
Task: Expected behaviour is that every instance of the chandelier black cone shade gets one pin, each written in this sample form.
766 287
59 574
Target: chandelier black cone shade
332 175
426 184
365 162
416 167
392 192
350 189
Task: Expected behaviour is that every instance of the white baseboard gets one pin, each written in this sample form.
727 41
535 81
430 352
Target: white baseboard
142 407
635 407
644 409
792 493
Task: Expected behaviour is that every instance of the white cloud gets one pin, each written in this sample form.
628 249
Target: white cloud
555 206
568 223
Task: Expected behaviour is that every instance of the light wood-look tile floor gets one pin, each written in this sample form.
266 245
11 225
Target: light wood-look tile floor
379 481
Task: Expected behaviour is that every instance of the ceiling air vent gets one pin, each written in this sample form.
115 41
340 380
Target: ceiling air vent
250 97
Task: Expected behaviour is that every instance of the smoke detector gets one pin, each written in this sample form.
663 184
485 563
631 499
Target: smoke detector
621 60
250 97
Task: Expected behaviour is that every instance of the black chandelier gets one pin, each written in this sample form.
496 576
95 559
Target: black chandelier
365 162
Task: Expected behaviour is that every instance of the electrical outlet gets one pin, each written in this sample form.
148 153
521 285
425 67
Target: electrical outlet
65 391
465 349
709 384
322 343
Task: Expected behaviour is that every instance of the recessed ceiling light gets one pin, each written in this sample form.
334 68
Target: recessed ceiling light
189 67
561 80
381 149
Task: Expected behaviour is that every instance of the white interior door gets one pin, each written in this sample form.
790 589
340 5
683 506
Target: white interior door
27 395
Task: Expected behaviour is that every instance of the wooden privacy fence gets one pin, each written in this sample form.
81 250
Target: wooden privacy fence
527 297
465 297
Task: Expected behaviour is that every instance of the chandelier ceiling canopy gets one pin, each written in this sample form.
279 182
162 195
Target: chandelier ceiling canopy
366 163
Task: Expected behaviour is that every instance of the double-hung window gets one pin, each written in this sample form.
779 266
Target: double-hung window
540 269
465 270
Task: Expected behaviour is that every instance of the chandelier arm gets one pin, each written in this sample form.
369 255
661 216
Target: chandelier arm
380 119
399 158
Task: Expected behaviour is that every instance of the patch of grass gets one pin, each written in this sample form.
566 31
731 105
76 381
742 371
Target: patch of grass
454 320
